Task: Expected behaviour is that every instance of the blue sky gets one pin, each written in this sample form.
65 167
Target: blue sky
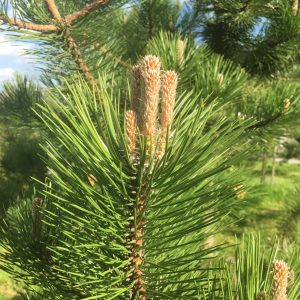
13 59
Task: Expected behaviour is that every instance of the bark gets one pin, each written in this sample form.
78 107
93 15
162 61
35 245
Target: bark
296 7
28 25
274 165
70 19
53 10
263 168
79 59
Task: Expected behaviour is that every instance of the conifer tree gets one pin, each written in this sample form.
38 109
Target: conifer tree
139 177
260 36
20 138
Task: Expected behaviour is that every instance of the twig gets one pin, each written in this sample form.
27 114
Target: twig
116 59
78 57
61 26
296 7
29 25
265 122
70 19
53 10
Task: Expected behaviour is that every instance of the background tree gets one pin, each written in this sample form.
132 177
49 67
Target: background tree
262 37
21 135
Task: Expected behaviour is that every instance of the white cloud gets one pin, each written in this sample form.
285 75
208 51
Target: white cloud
8 48
13 58
6 73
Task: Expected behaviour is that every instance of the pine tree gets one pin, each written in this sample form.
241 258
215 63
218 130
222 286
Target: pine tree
139 178
260 36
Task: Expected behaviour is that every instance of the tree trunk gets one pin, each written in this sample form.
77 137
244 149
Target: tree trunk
263 168
273 164
296 7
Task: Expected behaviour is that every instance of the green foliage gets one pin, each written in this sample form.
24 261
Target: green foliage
263 37
213 76
142 22
250 276
20 138
22 156
19 162
274 103
288 225
277 45
227 27
291 148
53 56
18 98
269 208
24 220
86 227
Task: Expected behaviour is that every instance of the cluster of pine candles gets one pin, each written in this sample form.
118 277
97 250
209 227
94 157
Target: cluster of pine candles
282 277
141 121
142 118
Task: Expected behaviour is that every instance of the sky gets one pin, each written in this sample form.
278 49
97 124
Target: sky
13 59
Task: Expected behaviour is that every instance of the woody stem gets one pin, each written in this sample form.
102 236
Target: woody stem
136 242
79 59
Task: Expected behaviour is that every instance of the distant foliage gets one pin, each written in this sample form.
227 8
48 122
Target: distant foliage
20 158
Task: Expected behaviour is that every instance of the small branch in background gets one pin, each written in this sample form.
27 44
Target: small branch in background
263 168
116 59
246 5
53 10
70 19
150 20
296 7
274 164
265 122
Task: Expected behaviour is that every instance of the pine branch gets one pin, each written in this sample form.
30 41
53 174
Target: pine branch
265 122
62 22
53 10
71 43
29 25
79 59
74 17
70 19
